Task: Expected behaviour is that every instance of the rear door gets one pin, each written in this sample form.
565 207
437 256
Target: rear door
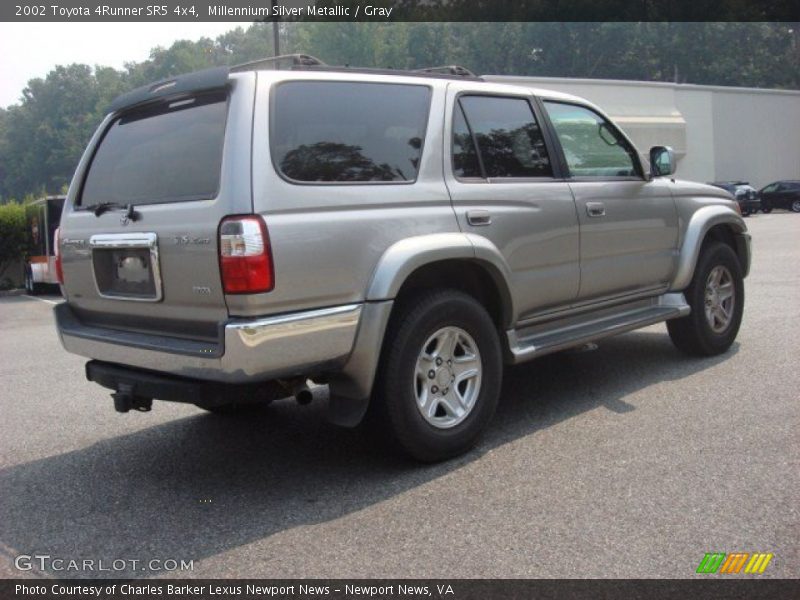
504 187
139 233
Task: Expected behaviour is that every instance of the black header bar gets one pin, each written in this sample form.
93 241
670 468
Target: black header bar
399 10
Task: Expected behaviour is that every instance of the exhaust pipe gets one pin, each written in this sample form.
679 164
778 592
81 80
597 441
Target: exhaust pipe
303 395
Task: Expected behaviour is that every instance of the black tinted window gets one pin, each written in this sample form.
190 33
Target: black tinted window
165 154
508 136
349 132
465 158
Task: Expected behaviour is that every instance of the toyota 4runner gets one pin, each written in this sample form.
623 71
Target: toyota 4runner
234 233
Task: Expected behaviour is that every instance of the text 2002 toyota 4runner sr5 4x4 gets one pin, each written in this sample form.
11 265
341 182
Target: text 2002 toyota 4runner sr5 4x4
232 233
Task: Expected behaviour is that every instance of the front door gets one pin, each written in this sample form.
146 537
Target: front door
628 223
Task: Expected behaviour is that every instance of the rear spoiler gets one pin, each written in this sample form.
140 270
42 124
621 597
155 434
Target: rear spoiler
174 87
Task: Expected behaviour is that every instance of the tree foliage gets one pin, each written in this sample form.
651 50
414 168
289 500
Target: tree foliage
13 234
42 137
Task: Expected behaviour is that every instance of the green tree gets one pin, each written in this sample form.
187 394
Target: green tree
13 234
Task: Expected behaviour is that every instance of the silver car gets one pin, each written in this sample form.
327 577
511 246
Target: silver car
234 234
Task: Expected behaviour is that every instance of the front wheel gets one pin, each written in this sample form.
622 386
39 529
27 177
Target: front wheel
440 374
796 206
716 297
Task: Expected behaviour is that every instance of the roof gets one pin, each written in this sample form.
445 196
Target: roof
218 78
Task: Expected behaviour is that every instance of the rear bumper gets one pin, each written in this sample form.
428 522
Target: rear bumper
249 350
148 385
750 203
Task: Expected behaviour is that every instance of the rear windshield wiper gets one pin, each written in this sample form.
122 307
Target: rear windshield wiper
99 209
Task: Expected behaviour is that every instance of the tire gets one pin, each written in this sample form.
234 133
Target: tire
766 208
795 206
700 333
431 343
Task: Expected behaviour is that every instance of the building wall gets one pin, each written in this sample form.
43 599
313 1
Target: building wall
717 133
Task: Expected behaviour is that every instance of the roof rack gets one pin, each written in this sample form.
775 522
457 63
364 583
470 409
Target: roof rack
448 70
275 62
304 62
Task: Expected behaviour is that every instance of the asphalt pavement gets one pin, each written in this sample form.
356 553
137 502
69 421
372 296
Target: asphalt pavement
627 461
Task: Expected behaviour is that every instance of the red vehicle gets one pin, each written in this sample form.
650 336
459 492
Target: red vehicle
43 217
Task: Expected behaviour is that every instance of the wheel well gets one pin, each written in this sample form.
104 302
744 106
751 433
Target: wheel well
468 276
726 235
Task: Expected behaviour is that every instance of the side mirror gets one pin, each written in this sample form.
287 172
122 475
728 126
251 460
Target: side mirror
662 161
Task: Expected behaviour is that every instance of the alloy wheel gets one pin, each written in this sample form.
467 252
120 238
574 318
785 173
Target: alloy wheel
447 380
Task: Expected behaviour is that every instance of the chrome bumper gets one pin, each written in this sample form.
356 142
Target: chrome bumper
267 348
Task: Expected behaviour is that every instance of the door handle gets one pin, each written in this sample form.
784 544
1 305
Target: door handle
479 217
595 209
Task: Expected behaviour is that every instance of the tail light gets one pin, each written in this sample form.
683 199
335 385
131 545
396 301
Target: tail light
245 260
57 253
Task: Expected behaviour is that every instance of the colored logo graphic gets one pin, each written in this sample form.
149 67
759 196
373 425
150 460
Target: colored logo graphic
719 562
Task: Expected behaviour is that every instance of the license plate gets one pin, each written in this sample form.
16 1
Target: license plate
126 266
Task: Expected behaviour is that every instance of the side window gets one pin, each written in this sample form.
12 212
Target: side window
323 131
509 139
772 187
592 147
465 158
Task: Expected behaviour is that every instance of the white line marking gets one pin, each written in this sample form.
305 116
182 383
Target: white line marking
42 299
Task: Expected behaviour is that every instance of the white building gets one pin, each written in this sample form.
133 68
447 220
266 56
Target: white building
718 133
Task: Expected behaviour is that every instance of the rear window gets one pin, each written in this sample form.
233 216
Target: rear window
170 153
349 132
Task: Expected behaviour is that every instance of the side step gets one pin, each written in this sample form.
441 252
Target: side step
537 340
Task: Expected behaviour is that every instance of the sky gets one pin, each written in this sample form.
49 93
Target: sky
31 50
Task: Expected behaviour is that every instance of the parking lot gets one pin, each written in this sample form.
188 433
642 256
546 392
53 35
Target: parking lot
627 461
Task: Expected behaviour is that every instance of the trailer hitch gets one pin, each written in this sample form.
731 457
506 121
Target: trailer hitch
125 399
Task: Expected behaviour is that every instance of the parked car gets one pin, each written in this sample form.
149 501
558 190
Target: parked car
744 194
234 233
780 194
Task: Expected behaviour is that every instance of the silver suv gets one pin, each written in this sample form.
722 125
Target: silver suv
233 234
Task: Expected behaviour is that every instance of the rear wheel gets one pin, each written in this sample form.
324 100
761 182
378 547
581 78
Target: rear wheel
440 374
716 296
796 206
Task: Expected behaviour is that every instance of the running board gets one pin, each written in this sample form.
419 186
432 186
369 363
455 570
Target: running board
537 340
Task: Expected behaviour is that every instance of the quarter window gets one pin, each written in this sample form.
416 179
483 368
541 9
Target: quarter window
509 139
592 146
349 132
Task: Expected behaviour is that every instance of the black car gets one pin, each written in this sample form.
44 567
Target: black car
780 194
744 193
